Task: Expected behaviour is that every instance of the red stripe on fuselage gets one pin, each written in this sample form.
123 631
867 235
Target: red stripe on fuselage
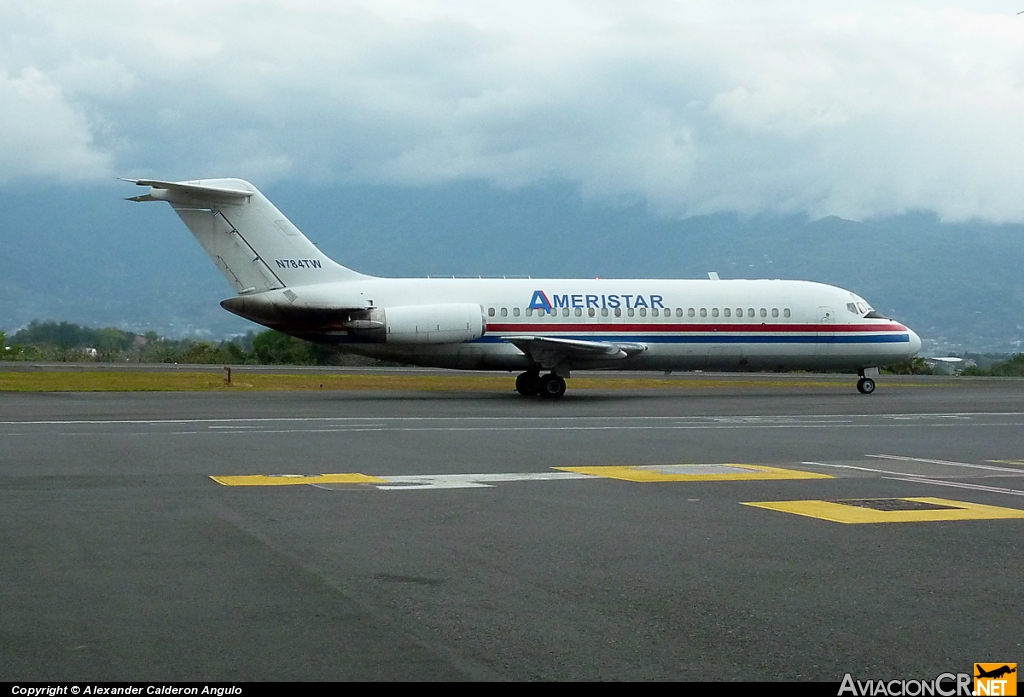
655 326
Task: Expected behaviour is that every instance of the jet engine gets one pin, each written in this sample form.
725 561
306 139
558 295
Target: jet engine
419 324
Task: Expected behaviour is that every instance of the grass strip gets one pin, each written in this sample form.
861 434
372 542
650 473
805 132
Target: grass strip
253 382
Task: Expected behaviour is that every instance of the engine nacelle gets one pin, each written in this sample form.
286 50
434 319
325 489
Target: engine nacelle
420 324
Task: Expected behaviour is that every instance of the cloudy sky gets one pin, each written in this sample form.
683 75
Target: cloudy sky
856 109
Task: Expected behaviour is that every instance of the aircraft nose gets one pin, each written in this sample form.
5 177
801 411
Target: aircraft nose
915 343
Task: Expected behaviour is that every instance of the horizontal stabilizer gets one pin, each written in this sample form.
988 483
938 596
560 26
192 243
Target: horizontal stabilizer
197 190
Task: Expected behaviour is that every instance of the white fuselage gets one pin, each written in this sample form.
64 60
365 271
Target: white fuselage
684 324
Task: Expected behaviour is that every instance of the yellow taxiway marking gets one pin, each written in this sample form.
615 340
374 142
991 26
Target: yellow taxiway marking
291 479
900 510
693 473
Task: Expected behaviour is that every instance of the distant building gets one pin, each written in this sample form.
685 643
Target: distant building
949 365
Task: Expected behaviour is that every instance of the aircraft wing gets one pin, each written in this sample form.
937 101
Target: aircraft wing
550 351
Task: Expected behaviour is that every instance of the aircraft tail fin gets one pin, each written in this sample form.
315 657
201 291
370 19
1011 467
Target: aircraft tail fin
253 244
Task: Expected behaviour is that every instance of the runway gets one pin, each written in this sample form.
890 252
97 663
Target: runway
739 533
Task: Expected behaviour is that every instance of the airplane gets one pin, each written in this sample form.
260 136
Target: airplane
995 673
550 326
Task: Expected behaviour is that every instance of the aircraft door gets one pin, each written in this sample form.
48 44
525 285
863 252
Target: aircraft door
826 333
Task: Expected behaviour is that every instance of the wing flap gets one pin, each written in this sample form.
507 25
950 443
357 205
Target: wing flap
550 351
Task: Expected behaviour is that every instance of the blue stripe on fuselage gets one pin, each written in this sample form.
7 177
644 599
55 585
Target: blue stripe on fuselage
713 339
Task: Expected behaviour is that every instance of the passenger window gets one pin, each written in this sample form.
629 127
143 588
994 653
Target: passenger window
691 312
739 311
654 312
785 313
490 312
515 311
592 312
529 312
750 312
727 312
579 312
703 312
643 311
775 312
504 312
764 312
679 312
714 312
631 312
618 312
604 311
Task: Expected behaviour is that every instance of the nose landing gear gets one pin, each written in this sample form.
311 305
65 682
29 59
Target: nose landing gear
866 385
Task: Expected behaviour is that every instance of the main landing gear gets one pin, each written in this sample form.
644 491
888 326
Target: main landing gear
531 383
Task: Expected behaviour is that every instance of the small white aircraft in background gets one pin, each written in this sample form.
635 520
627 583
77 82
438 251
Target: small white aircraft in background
550 326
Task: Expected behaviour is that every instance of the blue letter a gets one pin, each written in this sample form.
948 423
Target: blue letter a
540 301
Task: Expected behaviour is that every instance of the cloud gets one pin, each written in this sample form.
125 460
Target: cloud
43 136
693 107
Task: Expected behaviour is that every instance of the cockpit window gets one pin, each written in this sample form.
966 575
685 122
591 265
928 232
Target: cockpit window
863 309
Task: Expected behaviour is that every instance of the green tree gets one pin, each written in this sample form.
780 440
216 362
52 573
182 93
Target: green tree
1014 367
275 348
913 366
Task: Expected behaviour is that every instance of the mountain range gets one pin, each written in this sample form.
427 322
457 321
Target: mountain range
83 254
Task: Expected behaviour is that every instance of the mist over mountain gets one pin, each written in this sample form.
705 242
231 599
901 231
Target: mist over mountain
82 254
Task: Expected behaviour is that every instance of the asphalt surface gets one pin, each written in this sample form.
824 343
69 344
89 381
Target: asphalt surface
121 559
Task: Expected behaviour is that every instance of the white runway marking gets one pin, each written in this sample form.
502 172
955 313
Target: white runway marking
742 419
912 417
471 481
960 485
233 427
948 463
853 467
273 426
